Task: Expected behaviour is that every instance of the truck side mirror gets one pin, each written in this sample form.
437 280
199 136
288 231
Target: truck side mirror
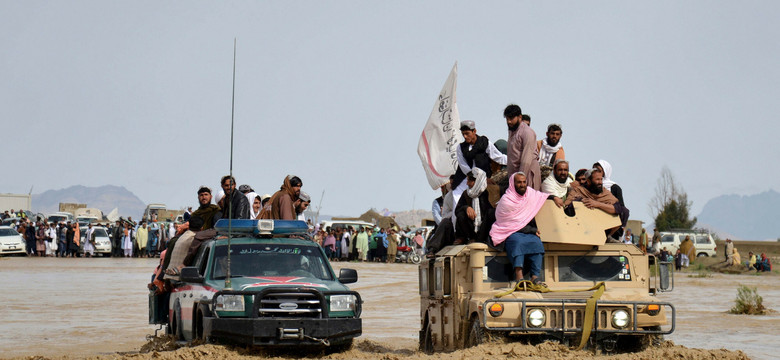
348 276
190 274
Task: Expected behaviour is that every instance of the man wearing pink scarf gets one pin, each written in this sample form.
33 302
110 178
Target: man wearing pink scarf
515 227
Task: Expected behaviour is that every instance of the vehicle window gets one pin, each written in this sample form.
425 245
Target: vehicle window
500 269
702 239
100 232
203 260
593 268
667 238
274 260
8 232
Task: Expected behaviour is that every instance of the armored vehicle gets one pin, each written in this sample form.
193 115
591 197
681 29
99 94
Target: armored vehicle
597 295
276 288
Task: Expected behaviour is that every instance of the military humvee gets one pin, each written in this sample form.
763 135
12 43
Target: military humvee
465 296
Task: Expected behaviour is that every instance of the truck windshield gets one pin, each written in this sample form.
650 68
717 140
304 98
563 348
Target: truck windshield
271 260
593 268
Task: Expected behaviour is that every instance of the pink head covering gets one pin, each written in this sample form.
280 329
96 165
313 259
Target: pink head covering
514 211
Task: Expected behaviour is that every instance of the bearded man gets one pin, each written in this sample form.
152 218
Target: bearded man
595 196
558 183
522 155
515 227
550 149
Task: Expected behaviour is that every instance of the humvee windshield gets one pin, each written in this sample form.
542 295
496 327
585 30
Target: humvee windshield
593 268
271 260
499 269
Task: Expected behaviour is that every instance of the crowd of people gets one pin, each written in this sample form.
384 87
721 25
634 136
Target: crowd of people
367 243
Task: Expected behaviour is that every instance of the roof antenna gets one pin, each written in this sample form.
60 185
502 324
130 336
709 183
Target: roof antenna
228 281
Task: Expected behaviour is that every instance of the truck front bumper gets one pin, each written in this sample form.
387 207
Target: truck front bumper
281 332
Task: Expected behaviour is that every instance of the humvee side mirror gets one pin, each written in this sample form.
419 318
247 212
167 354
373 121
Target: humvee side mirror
190 274
348 276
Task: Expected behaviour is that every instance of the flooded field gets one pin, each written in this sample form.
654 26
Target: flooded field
84 307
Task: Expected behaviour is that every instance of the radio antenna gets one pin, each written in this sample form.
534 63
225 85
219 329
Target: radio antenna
228 281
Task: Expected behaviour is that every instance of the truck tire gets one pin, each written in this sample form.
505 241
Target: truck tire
426 339
702 254
178 332
340 347
475 334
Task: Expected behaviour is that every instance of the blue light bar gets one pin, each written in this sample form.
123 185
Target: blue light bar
262 227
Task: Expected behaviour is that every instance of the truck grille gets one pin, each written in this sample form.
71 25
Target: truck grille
290 305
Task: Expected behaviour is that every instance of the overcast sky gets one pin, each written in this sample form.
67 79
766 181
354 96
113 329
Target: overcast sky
138 93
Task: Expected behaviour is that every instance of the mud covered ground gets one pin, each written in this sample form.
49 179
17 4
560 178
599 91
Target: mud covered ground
97 309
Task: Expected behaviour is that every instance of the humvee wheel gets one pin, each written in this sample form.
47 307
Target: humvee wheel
475 335
426 339
637 343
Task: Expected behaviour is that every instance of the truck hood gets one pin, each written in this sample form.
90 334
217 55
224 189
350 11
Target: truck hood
257 283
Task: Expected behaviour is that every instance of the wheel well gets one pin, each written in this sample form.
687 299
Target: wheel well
702 254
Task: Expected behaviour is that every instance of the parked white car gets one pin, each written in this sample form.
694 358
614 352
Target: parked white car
702 241
11 242
102 241
345 224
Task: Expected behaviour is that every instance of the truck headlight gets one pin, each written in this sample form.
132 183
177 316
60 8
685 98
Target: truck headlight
619 319
342 303
230 303
536 318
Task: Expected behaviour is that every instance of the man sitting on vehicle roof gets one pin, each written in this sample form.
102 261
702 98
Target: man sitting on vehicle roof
515 227
476 151
474 215
594 195
282 203
303 202
207 211
234 205
558 182
178 250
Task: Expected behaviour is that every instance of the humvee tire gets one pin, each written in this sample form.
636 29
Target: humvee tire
475 335
426 339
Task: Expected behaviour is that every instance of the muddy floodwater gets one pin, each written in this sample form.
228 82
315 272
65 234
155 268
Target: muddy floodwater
82 307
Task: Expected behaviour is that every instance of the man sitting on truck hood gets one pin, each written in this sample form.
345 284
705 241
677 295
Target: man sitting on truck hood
594 195
515 227
558 182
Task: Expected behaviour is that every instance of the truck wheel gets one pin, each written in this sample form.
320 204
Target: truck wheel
475 335
197 327
426 339
341 347
178 332
701 254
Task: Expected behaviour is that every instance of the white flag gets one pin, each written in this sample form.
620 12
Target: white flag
441 135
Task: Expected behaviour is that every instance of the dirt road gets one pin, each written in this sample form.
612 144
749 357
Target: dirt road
86 307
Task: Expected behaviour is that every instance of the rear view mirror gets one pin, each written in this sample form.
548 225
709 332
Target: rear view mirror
190 274
348 276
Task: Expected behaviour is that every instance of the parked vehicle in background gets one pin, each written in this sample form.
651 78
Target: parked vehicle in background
702 241
102 241
60 216
345 224
11 242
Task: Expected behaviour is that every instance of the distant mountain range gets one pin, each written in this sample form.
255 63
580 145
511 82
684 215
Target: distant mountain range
751 217
105 198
